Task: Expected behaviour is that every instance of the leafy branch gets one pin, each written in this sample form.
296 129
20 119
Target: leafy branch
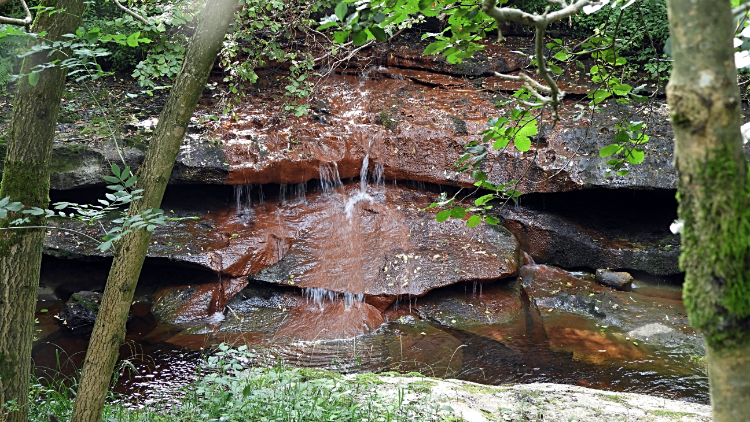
122 184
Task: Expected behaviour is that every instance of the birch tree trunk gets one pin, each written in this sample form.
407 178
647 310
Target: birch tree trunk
26 179
109 329
714 195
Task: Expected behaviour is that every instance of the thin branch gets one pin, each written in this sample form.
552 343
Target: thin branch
504 14
52 228
741 9
20 22
131 13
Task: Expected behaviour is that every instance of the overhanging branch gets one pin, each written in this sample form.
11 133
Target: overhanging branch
13 21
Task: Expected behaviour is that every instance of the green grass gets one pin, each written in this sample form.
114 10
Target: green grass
230 391
669 413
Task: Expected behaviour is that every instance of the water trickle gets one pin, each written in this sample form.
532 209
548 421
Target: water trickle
261 197
242 196
299 192
319 296
282 194
363 172
357 197
377 175
330 180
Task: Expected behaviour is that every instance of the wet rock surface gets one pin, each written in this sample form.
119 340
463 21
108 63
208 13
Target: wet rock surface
619 280
574 239
378 245
384 251
80 311
655 321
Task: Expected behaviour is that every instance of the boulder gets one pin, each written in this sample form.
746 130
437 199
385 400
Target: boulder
619 280
80 311
384 249
553 239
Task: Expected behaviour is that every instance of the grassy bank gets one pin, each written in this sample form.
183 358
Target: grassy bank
232 390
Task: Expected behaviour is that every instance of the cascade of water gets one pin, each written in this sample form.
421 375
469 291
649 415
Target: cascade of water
363 172
319 296
378 175
261 197
242 196
216 308
329 177
300 189
282 194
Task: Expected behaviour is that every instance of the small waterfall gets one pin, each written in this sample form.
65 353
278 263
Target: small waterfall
363 172
377 175
319 296
362 195
300 189
330 180
282 194
243 196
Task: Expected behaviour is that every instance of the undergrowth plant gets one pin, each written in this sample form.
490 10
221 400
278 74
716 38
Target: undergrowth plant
232 386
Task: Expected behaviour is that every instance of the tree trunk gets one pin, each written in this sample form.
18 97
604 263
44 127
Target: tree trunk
26 179
109 329
714 195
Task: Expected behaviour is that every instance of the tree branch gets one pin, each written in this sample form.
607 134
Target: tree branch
20 22
741 9
131 13
504 14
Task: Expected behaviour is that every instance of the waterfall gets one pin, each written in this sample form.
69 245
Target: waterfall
299 192
319 296
329 177
377 175
282 194
243 196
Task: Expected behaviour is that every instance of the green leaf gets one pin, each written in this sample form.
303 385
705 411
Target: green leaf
133 39
492 220
501 143
561 55
341 36
4 201
484 199
529 129
474 221
426 4
14 206
610 149
523 143
111 179
359 37
622 89
115 169
34 78
443 215
599 95
434 47
340 11
378 33
458 212
636 156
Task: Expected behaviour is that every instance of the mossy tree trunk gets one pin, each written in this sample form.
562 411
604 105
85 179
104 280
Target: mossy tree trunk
714 194
26 179
109 329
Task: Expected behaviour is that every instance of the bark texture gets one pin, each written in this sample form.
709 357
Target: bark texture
26 179
714 195
109 329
